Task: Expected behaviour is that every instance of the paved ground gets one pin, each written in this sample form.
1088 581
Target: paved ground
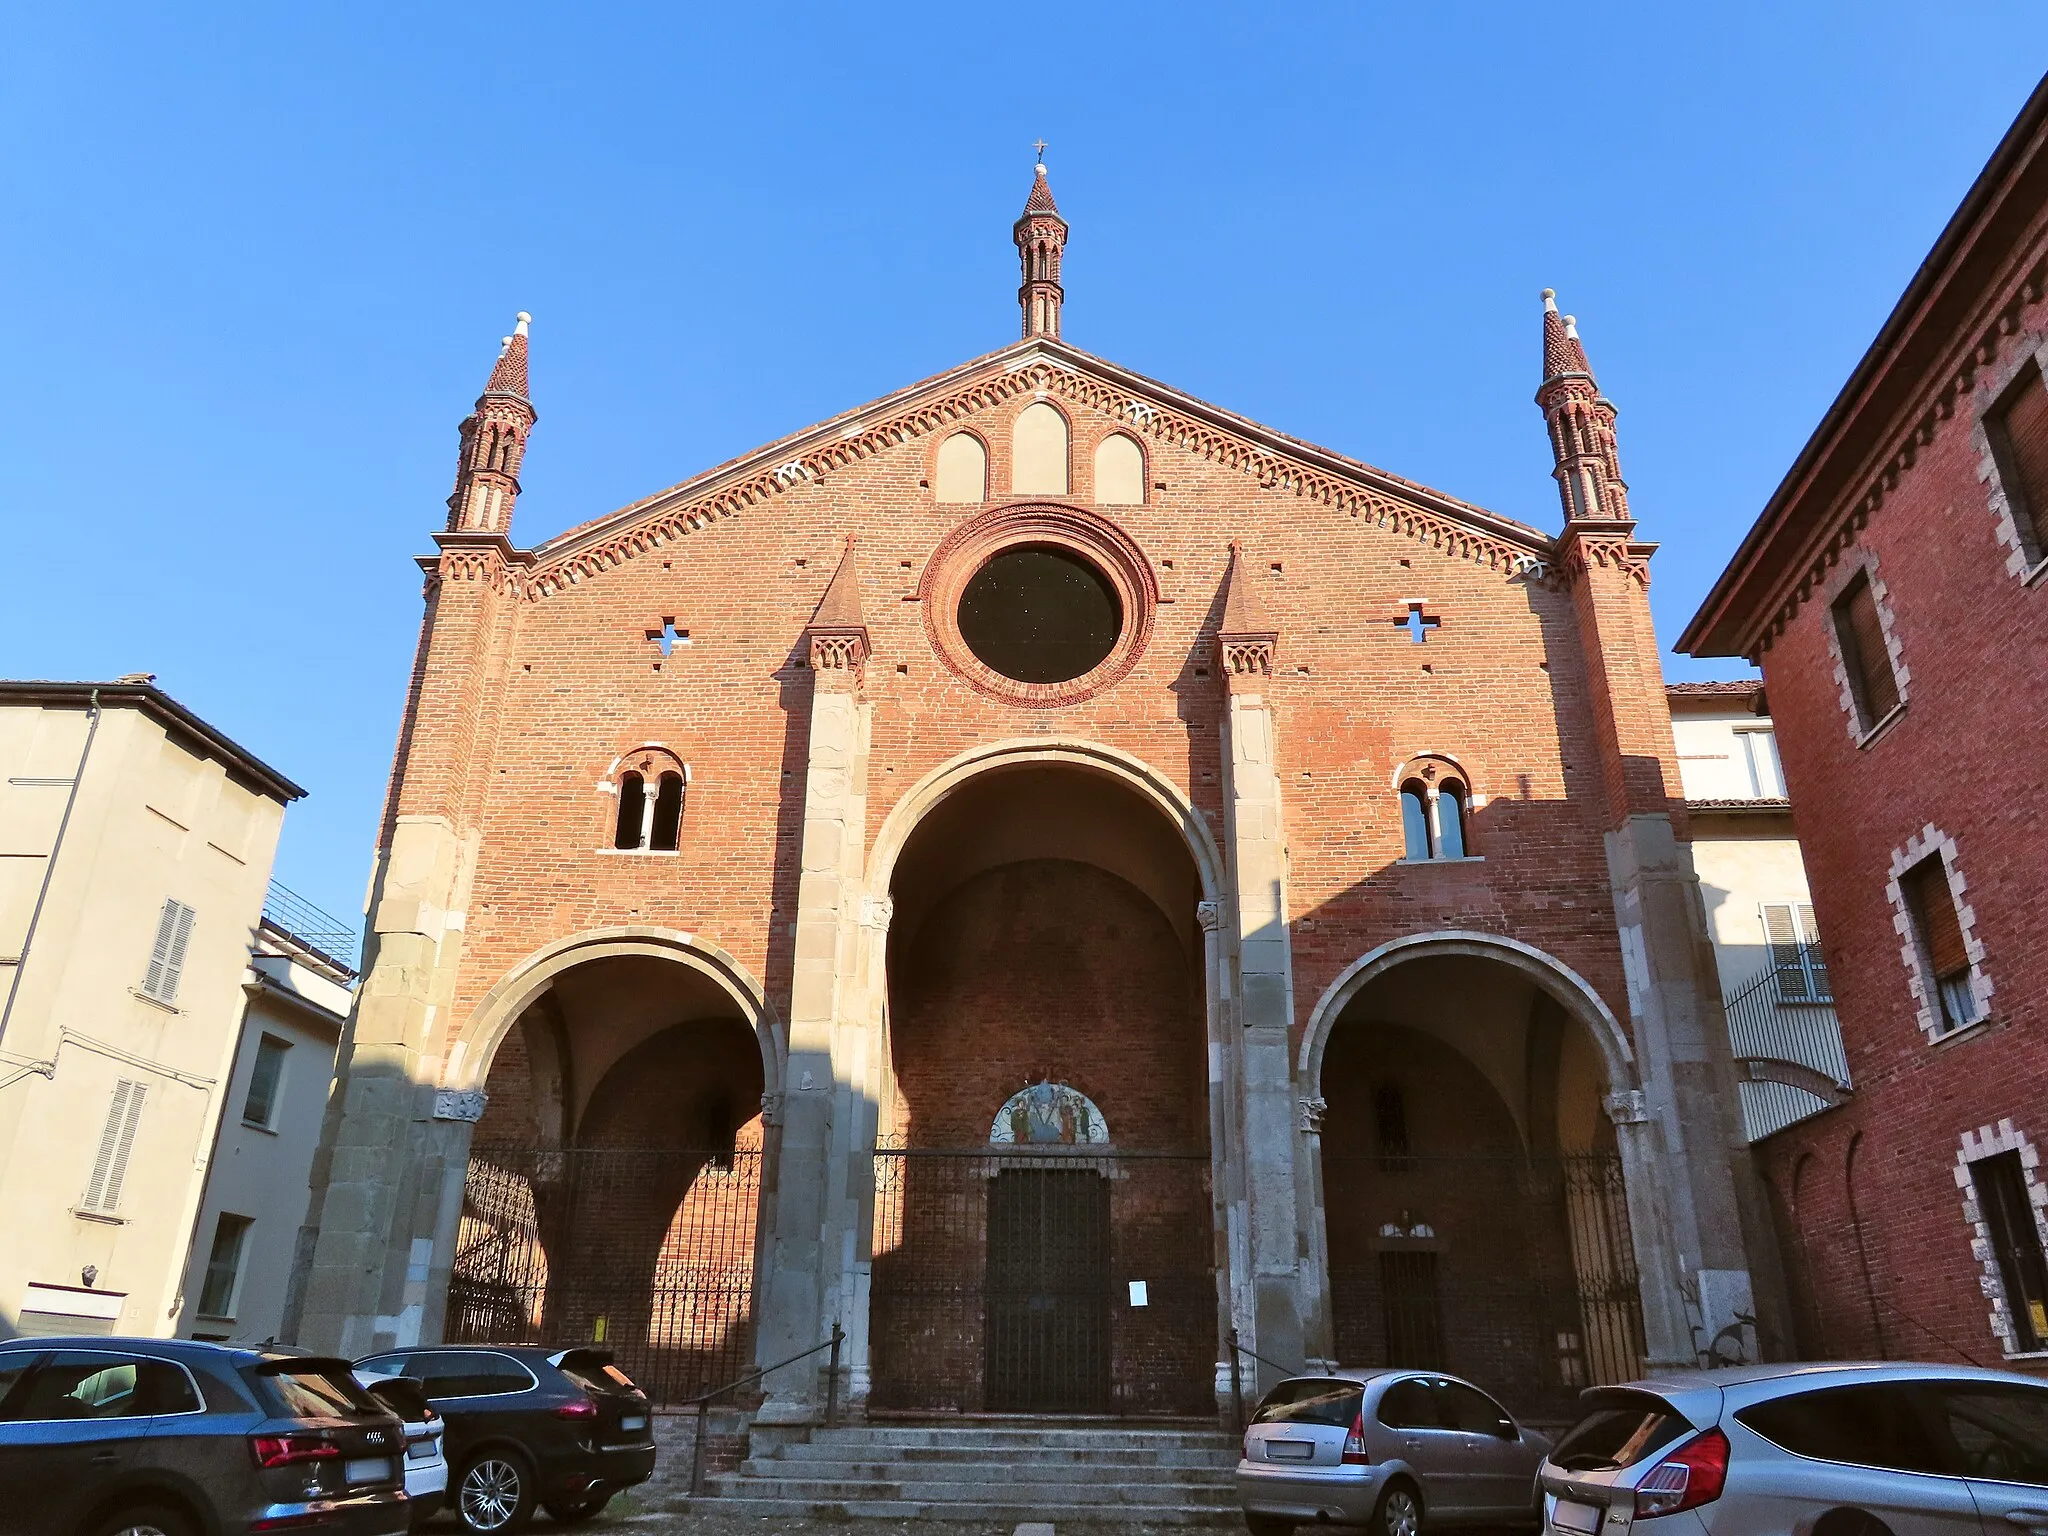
628 1519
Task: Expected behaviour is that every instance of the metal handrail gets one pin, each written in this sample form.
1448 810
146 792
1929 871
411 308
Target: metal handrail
1237 1373
703 1403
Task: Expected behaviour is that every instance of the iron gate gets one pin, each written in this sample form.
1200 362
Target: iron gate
1517 1273
647 1250
1045 1281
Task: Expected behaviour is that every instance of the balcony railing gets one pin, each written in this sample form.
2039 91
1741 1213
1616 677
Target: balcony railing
1787 1041
303 923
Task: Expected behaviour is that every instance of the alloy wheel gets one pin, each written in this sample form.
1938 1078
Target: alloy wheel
490 1494
1400 1515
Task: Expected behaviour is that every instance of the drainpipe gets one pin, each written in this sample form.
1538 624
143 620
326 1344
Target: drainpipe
50 869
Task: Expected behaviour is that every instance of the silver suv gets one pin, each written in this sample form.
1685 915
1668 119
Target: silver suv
1386 1449
1825 1450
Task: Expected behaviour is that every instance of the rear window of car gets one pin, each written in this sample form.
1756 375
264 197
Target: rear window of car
1618 1429
1877 1425
316 1394
595 1373
1335 1403
467 1373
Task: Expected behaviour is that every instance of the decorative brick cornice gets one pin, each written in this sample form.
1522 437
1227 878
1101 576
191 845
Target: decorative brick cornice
1586 545
1143 407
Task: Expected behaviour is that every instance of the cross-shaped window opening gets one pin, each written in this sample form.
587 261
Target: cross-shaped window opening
668 637
1417 622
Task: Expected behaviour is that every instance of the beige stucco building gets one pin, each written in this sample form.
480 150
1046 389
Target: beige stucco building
1781 1018
135 850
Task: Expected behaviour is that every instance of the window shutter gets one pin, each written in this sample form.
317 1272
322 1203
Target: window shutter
1870 663
160 951
1816 967
117 1139
1782 933
1934 906
175 966
2024 427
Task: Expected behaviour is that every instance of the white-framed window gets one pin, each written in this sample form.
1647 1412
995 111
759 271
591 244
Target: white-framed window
1936 925
222 1288
1796 959
2004 1200
266 1082
1436 809
1757 747
167 953
117 1140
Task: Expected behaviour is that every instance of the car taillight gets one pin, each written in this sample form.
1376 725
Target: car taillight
1354 1443
579 1408
1690 1476
284 1450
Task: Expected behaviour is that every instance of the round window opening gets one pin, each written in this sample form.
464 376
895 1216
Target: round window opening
1037 613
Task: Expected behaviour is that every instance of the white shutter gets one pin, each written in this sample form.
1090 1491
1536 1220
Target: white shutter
176 964
1781 931
1816 968
160 952
117 1140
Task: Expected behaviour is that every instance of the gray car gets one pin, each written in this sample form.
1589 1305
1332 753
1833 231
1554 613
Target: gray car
1824 1450
1388 1449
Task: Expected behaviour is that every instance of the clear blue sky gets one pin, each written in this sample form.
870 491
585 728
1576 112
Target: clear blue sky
256 262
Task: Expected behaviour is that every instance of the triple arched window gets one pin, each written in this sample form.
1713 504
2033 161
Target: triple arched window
651 784
1041 446
1436 809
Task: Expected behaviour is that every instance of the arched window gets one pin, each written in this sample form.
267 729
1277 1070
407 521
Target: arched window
962 469
1119 472
667 826
632 811
1415 819
1450 820
1038 452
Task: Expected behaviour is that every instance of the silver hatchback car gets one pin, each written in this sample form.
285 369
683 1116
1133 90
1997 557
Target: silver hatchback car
1823 1450
1388 1450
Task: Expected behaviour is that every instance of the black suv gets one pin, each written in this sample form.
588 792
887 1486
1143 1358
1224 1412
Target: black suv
565 1429
169 1437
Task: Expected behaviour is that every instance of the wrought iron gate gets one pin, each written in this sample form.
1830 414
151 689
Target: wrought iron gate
1517 1273
1045 1281
647 1250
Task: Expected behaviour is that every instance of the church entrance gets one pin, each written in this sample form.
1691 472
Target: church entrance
1473 1198
1044 1214
614 1182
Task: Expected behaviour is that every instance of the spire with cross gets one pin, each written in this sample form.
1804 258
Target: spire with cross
1041 236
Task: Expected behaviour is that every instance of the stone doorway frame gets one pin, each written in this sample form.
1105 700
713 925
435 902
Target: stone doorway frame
1573 993
1230 1192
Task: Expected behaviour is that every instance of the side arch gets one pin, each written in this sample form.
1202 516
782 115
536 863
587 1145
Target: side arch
1133 772
469 1060
1564 984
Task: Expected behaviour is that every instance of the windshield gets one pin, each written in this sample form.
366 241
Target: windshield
1618 1430
1335 1403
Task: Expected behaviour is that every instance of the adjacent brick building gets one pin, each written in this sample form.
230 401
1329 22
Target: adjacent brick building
1895 593
1155 878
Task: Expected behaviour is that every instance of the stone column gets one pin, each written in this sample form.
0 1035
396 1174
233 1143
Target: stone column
810 1250
1269 1300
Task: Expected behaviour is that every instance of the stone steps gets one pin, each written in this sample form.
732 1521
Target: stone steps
993 1471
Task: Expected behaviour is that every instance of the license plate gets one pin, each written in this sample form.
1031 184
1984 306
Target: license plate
1570 1515
420 1450
636 1421
1290 1450
367 1469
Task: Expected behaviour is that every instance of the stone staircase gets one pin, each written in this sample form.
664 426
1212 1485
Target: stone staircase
1005 1470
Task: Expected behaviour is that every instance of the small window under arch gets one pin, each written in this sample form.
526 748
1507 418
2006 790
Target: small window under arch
1450 820
1119 472
1415 819
632 811
667 828
1038 452
649 818
962 469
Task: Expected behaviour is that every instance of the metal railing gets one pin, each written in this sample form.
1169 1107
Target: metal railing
320 931
703 1404
1786 1013
1238 1350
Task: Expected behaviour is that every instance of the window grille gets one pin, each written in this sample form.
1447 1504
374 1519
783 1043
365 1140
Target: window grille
224 1266
167 954
1938 932
260 1107
1860 633
117 1140
1795 953
2008 1212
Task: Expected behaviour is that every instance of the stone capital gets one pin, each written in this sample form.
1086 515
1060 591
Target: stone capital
1628 1107
460 1104
1311 1117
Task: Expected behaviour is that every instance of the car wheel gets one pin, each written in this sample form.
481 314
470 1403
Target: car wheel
143 1520
1266 1525
1850 1522
578 1513
1399 1512
495 1493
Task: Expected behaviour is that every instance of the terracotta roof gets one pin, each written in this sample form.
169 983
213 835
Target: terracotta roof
1712 690
1562 350
839 608
178 722
1911 349
1240 612
1756 805
509 376
1040 200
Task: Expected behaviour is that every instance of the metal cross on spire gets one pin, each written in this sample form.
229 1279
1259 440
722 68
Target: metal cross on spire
1039 145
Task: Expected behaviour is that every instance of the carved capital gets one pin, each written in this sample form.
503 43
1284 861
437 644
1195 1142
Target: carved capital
1311 1115
838 650
877 912
1209 914
771 1107
1247 655
460 1104
1629 1107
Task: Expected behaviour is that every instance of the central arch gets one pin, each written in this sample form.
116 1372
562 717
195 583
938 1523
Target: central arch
1051 939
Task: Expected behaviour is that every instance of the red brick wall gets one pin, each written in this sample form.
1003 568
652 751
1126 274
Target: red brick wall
1964 756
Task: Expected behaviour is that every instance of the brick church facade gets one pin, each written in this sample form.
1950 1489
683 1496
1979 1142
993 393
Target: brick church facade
1049 877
